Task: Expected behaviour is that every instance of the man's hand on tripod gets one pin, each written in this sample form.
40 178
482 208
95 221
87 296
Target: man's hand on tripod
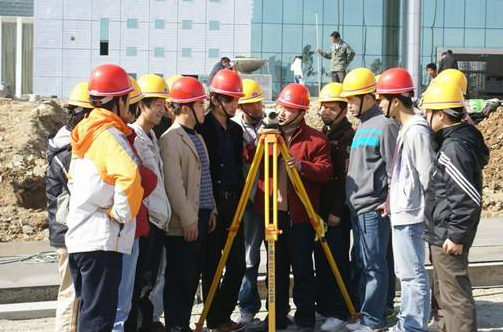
292 162
190 232
212 223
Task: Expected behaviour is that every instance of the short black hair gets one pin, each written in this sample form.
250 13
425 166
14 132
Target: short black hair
405 98
225 59
449 52
460 111
177 107
114 102
431 66
335 34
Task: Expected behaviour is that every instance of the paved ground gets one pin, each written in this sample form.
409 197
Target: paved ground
489 310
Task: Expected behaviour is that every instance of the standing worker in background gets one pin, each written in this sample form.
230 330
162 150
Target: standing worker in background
59 154
224 63
447 61
296 67
340 55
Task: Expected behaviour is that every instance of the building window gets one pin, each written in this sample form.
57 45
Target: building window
133 75
131 51
159 24
213 52
132 23
214 0
159 52
104 36
186 24
214 25
186 52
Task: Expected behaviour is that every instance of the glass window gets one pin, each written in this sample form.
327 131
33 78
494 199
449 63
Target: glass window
453 37
271 38
214 25
494 10
133 75
272 11
353 35
159 24
311 8
186 24
493 38
373 40
292 11
213 53
292 40
353 13
256 11
214 0
475 14
331 14
256 38
309 37
132 23
454 14
131 51
474 37
373 12
159 52
104 29
433 13
186 52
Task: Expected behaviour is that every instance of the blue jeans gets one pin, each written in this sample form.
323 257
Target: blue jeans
253 226
126 287
408 249
371 234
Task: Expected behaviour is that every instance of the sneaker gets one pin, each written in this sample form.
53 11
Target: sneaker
230 326
353 325
245 318
332 324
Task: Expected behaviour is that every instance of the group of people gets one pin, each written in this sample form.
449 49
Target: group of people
139 210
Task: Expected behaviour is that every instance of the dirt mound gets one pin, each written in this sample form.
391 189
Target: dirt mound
492 129
24 128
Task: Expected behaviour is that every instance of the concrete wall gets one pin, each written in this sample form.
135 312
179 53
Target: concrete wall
67 37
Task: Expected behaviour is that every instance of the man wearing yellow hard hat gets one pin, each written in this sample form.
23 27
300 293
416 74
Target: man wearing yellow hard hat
333 209
370 166
250 119
58 157
453 202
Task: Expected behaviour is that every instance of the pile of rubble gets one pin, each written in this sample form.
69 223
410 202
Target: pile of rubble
24 127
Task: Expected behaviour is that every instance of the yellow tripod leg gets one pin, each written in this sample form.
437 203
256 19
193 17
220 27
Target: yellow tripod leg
294 176
250 179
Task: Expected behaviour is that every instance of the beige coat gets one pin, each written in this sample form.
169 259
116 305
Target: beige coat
182 177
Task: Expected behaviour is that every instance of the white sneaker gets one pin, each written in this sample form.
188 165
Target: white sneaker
354 325
332 324
245 318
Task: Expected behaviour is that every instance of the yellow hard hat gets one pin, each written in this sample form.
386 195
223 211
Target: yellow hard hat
253 92
170 80
79 96
359 81
441 95
153 86
331 92
135 95
453 76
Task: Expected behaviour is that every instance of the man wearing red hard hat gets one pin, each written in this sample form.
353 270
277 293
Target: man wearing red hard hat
311 157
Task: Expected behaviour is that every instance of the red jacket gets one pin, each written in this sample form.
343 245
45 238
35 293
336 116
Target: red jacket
312 149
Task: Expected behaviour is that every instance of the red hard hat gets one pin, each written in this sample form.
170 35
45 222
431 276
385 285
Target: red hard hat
187 90
395 81
294 95
227 82
109 80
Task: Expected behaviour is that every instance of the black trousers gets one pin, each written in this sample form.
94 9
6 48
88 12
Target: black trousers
96 277
226 297
147 268
295 248
184 262
329 300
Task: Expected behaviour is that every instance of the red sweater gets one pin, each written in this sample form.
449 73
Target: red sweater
312 149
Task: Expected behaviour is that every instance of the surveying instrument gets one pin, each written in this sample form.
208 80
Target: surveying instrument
270 140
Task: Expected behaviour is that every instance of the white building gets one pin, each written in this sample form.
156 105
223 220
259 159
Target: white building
165 37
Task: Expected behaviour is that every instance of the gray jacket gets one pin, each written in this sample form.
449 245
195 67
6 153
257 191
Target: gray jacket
413 159
340 57
370 161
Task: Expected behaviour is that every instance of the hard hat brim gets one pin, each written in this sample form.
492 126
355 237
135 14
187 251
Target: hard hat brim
251 100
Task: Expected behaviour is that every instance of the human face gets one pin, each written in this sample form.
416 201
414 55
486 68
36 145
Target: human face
431 72
124 112
229 105
434 119
389 107
289 116
252 111
199 108
354 103
153 114
335 40
331 111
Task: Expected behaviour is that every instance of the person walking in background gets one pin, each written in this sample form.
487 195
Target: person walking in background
340 56
296 67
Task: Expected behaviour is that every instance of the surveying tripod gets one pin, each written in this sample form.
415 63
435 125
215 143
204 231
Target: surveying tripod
272 138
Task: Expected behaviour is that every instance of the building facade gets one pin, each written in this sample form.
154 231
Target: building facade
189 36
